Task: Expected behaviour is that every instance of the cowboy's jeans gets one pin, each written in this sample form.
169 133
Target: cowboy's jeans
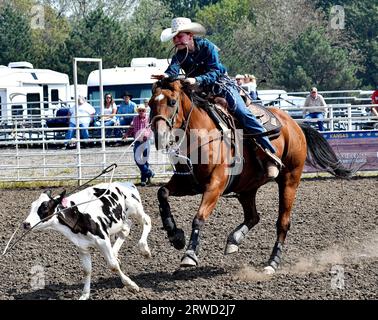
141 154
246 118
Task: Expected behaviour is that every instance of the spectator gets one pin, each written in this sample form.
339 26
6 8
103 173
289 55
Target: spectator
316 107
110 110
239 79
374 100
145 102
85 116
141 131
250 85
126 111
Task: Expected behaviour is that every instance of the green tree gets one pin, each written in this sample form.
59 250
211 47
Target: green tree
49 41
222 21
225 16
187 8
97 36
15 40
78 9
314 60
361 25
144 28
251 32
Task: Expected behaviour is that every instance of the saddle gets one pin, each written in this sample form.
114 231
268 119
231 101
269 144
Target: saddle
222 118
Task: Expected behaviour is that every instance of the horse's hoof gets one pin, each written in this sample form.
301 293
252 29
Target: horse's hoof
189 260
231 248
269 270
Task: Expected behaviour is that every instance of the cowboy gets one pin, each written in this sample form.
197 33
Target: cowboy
198 57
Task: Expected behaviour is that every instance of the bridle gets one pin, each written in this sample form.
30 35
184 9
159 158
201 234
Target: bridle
173 150
171 120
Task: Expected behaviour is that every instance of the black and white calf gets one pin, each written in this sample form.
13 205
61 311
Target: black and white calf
89 218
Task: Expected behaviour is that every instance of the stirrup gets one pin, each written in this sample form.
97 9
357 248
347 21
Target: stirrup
275 159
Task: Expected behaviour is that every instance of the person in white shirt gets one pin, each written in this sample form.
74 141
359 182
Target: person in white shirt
315 107
250 85
85 116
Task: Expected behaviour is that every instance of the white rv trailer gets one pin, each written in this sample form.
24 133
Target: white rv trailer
135 79
29 95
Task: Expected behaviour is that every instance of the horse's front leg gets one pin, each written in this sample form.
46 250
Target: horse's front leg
209 200
176 235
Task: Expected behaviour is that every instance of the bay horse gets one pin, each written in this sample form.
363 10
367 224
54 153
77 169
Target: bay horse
172 109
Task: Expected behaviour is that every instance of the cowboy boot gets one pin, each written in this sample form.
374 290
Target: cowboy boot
273 165
270 162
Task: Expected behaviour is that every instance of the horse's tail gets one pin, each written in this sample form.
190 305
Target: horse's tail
320 154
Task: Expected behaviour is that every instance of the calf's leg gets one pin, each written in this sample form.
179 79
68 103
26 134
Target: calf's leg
145 221
112 261
122 235
86 262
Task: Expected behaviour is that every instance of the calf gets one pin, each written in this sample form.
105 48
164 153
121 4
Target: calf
89 218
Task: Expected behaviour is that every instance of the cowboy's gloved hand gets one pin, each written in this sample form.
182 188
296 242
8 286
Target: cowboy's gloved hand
144 138
191 81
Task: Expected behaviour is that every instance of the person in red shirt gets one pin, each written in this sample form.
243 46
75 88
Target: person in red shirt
374 100
141 131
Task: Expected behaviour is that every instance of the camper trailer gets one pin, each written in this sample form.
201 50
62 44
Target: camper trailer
28 96
135 79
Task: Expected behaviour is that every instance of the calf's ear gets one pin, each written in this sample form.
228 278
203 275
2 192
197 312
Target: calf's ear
61 196
48 192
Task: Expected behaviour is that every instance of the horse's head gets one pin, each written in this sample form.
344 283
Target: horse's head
166 111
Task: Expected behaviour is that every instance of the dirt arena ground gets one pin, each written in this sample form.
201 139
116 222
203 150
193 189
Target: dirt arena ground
331 251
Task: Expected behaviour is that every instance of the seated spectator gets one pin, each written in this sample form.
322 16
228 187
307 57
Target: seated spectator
148 109
140 130
125 113
110 110
239 79
317 108
85 116
250 85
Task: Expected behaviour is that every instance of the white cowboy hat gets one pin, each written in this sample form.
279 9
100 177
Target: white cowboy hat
181 25
140 107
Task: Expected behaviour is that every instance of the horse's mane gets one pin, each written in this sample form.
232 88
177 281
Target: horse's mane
193 92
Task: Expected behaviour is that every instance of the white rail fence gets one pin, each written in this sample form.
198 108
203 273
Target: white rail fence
31 151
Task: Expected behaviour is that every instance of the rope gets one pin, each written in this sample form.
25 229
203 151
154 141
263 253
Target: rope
110 168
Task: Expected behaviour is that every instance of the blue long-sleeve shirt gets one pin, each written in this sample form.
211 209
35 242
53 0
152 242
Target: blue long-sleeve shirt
127 108
203 63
